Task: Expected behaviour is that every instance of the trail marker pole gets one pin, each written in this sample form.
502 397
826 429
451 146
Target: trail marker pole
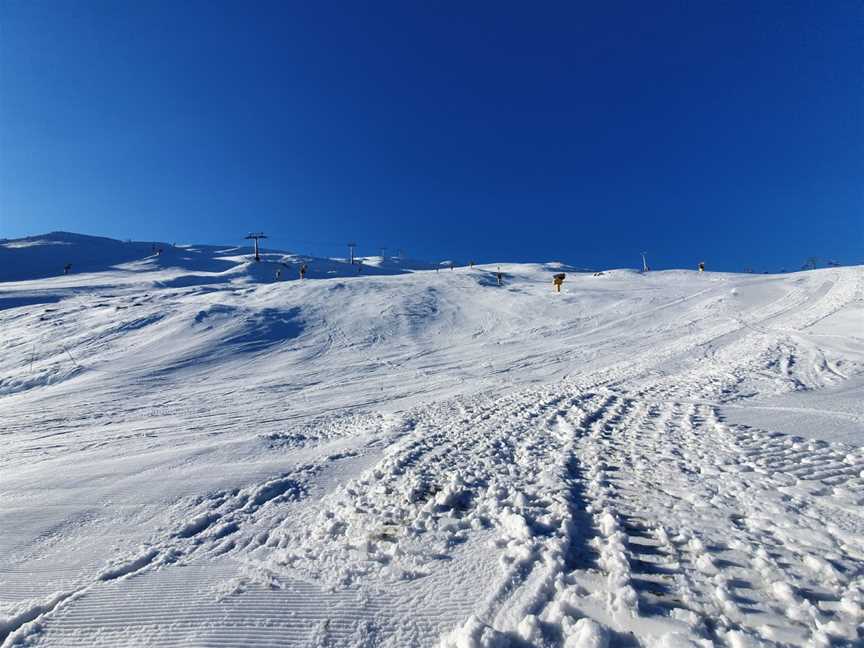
351 247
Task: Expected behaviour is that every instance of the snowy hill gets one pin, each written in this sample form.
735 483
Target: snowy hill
44 256
199 452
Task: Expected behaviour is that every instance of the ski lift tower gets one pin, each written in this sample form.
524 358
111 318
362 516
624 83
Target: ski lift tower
255 236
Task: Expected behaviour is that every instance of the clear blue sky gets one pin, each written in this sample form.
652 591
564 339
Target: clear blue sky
581 131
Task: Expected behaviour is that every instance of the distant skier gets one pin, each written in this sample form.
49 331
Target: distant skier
67 268
278 273
359 266
500 277
557 280
303 268
701 266
451 265
470 264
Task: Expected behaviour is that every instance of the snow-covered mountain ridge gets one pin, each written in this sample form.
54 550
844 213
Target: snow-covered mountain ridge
199 452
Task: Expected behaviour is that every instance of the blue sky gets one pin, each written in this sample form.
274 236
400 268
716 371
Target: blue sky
583 132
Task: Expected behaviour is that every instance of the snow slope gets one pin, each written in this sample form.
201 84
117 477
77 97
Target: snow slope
199 454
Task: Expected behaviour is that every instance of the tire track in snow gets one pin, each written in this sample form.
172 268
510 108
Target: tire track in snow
526 595
466 473
662 486
648 483
475 474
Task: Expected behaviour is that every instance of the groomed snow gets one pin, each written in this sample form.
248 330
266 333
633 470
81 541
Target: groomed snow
196 453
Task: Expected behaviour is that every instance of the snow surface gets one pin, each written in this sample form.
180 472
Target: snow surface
199 454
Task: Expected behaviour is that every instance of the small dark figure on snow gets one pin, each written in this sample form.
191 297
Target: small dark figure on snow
303 269
701 266
67 268
500 277
557 280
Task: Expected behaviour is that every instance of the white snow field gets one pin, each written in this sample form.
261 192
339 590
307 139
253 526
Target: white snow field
196 454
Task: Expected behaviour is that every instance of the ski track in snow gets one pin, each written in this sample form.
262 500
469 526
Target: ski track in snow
425 469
